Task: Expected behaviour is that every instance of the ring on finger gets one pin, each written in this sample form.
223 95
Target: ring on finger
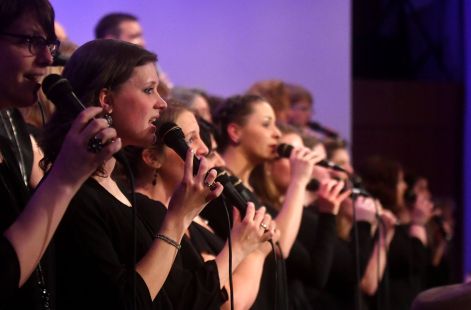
212 185
95 145
263 226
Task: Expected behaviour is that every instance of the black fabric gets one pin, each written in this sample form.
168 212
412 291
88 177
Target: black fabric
14 196
309 262
273 291
341 289
406 273
95 257
192 283
9 269
13 128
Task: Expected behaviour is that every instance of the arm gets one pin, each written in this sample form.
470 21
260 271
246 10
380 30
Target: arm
374 272
289 218
31 233
187 202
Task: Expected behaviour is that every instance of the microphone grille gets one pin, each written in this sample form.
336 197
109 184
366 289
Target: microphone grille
169 132
284 150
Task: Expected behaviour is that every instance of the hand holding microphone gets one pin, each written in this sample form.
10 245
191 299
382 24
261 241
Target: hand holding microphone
173 137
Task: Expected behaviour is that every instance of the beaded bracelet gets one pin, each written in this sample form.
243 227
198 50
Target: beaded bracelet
169 241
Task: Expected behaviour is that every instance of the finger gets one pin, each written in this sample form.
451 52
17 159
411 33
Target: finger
344 195
202 170
106 135
337 188
109 149
210 178
249 212
259 214
93 127
216 192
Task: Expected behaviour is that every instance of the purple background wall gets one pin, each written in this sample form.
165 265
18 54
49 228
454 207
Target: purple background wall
225 46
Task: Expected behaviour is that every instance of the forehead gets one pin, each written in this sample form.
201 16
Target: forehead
293 139
187 121
144 74
262 109
130 26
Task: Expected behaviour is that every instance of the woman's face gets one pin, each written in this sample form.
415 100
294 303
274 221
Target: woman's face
173 167
341 158
136 105
21 70
300 113
259 135
280 169
320 173
201 107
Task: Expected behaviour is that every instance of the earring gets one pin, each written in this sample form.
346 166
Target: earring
154 179
108 118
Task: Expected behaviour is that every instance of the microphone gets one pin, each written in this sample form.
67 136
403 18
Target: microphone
173 137
324 130
284 150
59 91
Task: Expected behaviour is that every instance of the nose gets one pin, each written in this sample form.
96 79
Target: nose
44 57
160 104
276 133
201 148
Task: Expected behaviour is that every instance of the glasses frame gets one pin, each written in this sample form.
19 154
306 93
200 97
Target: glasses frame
36 43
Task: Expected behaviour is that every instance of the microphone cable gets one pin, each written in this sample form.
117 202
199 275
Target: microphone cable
357 254
229 243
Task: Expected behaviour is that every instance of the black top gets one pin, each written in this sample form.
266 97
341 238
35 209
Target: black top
13 196
406 273
273 291
95 258
310 259
341 290
192 283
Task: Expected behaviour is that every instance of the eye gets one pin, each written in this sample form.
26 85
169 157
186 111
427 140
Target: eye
149 90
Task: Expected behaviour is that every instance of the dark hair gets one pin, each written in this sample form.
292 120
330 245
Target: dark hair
298 93
109 24
234 110
11 10
95 65
332 145
380 177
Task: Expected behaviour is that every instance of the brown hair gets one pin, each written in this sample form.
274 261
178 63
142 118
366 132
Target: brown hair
298 93
275 92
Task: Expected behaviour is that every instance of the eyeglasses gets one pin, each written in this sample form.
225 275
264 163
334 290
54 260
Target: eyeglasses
36 44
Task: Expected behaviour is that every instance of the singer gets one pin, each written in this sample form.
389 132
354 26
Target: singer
95 256
29 221
249 137
201 267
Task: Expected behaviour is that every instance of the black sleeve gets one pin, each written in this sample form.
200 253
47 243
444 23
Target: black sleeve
9 269
195 289
317 235
365 243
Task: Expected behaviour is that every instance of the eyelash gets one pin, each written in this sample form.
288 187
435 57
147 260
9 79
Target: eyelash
149 90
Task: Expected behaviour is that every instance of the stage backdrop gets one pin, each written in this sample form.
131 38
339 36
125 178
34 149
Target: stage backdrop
225 46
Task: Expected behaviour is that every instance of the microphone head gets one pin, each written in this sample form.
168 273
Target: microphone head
284 150
169 133
55 86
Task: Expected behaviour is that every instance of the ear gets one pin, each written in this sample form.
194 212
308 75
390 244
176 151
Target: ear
234 132
105 98
151 159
